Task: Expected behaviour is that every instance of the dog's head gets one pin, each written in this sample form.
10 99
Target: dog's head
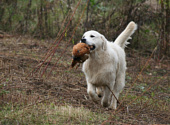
94 39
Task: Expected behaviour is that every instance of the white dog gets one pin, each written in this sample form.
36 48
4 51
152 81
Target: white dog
106 65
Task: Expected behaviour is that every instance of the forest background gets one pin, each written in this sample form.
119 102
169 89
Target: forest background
37 85
43 19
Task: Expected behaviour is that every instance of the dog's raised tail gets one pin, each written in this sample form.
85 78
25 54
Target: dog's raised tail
125 35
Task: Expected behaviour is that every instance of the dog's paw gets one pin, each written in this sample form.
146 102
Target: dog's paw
113 107
104 104
95 98
99 95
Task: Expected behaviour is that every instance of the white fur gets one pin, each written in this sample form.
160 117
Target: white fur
106 65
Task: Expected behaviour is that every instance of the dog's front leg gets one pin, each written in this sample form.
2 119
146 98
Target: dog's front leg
106 97
91 90
119 85
113 104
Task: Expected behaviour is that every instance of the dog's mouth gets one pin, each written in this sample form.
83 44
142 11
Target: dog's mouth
92 47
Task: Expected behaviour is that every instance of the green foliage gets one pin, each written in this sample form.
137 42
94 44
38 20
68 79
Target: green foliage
43 19
3 91
164 2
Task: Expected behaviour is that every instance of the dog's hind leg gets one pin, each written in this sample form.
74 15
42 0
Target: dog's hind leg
99 91
91 90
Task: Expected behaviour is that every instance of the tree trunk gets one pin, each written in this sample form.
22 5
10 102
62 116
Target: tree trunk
46 17
27 16
167 27
87 12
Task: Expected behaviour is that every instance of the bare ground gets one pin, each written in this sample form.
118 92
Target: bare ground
20 55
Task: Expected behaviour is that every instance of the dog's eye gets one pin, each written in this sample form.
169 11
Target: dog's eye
92 36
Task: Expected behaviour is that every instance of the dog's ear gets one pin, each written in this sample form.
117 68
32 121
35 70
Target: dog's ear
104 44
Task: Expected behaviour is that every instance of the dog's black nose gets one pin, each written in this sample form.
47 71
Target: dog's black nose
83 40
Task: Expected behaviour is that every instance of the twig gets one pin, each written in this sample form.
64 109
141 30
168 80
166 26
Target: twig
113 94
70 38
61 38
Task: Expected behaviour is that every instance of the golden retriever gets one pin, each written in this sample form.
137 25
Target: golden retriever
106 65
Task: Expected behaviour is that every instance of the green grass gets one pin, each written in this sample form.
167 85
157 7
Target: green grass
49 114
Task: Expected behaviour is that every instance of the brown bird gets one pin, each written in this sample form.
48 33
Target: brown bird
79 53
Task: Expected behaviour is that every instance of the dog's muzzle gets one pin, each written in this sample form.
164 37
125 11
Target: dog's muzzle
83 40
92 47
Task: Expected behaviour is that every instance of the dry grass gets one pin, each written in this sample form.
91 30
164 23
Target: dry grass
61 97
